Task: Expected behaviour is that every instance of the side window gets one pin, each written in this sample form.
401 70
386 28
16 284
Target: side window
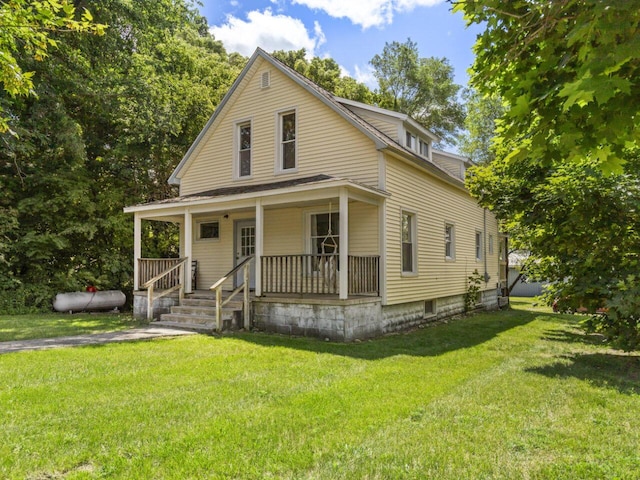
490 244
449 242
244 149
408 242
287 141
478 245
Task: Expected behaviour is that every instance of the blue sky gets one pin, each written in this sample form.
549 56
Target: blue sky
349 31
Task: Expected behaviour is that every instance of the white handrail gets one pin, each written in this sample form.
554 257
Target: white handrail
180 286
245 264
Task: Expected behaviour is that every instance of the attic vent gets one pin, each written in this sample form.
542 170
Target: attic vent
265 80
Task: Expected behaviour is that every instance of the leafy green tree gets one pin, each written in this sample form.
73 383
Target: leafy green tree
482 112
113 116
420 87
27 26
325 72
565 177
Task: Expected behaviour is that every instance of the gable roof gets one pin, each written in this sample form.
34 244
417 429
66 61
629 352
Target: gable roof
337 104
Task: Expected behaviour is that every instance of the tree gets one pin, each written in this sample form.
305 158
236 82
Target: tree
326 73
420 87
480 125
565 179
27 25
113 116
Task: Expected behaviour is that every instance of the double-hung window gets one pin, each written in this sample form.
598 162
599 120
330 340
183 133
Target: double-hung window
244 149
449 242
408 242
478 245
287 141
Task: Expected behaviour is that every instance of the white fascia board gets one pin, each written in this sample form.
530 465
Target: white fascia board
270 197
403 117
428 167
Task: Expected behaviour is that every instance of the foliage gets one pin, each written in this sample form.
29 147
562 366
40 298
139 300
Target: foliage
420 87
26 26
326 73
259 406
474 281
565 178
482 111
569 70
113 116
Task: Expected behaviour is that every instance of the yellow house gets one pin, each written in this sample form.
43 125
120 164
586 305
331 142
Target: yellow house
335 218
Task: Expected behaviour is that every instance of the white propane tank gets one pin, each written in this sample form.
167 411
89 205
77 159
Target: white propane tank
81 301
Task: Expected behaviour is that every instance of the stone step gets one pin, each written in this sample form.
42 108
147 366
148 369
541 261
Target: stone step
201 302
193 327
203 310
186 318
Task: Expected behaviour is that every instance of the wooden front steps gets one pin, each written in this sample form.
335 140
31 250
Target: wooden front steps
197 312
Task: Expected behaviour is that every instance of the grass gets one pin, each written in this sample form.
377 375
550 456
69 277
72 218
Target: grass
519 394
26 327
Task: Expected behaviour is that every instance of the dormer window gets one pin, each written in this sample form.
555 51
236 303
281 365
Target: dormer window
424 149
411 141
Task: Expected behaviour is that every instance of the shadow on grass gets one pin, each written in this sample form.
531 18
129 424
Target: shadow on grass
610 370
567 336
429 341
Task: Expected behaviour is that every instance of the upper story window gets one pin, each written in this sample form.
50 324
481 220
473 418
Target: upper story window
449 242
287 141
408 242
411 141
244 149
424 149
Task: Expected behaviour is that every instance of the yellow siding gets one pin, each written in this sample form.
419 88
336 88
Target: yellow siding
326 142
453 166
389 128
284 234
435 203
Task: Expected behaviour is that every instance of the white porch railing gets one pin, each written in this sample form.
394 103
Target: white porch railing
244 286
170 279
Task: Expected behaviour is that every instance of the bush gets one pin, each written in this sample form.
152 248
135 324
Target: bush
26 299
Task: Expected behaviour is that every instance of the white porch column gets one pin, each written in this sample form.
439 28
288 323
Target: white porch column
344 244
188 248
137 249
259 246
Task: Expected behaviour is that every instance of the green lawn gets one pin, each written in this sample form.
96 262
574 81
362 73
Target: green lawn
25 327
508 395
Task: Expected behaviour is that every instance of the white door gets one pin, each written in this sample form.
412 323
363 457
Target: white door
245 246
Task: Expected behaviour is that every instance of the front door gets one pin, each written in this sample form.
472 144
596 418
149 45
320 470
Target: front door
245 246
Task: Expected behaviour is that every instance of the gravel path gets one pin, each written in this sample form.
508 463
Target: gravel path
91 339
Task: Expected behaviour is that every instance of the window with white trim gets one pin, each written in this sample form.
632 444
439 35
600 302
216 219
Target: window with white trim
411 141
324 233
490 244
424 149
478 245
287 141
449 242
408 242
208 230
244 149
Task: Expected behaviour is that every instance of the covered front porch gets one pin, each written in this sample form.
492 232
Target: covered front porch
316 238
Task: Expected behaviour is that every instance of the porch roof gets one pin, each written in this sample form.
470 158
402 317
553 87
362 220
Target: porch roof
262 190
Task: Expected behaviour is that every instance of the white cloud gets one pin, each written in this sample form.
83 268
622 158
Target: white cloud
267 31
366 13
365 75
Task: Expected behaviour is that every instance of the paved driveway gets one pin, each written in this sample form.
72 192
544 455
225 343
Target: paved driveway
91 339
